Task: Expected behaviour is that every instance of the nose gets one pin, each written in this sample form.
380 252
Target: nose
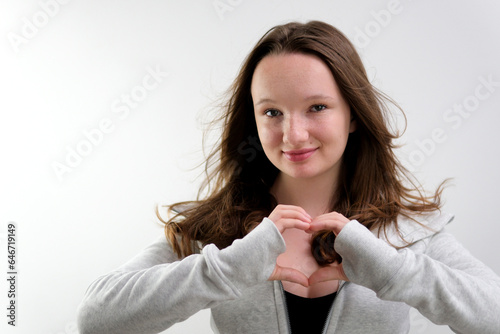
295 130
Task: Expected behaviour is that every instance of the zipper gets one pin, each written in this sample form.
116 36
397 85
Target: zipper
327 321
286 308
328 318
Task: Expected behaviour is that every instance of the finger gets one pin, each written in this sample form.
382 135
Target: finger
290 275
329 273
319 225
290 217
303 213
291 211
333 221
297 213
295 223
293 207
333 215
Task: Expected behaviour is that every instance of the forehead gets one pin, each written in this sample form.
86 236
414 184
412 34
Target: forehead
292 74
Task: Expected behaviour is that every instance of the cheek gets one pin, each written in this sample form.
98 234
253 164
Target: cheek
335 132
268 136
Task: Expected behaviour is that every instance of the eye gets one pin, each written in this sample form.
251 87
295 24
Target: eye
272 113
318 107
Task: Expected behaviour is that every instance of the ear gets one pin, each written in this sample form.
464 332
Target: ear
353 125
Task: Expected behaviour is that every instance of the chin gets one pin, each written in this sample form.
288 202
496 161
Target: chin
300 174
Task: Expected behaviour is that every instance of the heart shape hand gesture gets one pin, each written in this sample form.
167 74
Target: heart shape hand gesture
290 216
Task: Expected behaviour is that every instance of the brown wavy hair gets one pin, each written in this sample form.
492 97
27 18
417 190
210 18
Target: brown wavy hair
373 186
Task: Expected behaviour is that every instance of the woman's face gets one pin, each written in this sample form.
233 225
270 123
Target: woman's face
302 120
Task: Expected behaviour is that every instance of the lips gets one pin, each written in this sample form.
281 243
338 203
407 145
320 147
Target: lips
299 155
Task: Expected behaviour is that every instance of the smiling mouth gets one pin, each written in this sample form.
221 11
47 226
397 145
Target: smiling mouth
299 155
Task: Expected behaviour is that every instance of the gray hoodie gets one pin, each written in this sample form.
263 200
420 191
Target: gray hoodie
435 275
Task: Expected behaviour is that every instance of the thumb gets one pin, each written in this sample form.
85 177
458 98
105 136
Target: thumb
334 271
289 274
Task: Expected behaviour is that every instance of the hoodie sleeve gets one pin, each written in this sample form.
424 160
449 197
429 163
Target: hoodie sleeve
444 281
155 290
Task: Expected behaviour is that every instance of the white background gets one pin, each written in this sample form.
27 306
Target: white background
69 73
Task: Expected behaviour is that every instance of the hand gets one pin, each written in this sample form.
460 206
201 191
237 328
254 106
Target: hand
333 271
285 217
290 216
334 222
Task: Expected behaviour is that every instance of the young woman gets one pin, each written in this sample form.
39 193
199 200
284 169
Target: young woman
315 228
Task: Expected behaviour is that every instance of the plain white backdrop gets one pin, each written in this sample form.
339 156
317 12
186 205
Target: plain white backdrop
103 103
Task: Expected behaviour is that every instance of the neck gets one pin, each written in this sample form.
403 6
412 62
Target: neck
313 195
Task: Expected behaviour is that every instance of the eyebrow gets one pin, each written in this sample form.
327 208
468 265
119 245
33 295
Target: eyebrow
312 97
